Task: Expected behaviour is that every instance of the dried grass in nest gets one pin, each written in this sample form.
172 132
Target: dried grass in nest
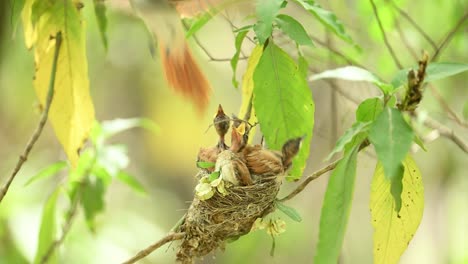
210 223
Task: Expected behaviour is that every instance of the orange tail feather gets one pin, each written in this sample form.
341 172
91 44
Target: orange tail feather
185 76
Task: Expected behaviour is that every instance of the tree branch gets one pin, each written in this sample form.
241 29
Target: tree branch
336 52
415 25
446 106
446 132
145 252
207 52
387 43
449 37
37 132
308 179
70 216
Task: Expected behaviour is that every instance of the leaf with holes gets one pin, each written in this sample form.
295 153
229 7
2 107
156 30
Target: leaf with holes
393 231
392 139
283 103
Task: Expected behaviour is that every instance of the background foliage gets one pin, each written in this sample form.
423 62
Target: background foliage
125 82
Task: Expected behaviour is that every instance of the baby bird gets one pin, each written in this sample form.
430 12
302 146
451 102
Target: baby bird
230 164
290 150
221 123
266 162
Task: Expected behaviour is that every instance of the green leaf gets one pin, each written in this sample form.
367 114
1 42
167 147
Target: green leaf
353 73
419 142
393 231
283 103
289 211
48 229
336 208
92 200
369 109
47 172
205 164
294 30
102 173
132 182
16 6
303 66
235 59
434 71
392 138
214 175
266 13
348 136
100 12
327 18
198 23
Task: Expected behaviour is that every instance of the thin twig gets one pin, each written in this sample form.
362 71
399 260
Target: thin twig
37 132
336 52
70 216
446 106
308 179
446 132
145 252
415 25
405 40
387 43
449 37
236 28
207 52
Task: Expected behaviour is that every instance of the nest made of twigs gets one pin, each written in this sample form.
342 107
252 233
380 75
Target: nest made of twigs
210 223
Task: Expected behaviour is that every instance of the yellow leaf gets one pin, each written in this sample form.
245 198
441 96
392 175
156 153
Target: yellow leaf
393 231
72 111
29 33
248 85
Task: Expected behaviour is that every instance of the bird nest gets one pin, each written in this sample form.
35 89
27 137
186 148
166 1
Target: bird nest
225 216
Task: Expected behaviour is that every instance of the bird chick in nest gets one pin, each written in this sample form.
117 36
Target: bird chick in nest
221 123
230 164
261 161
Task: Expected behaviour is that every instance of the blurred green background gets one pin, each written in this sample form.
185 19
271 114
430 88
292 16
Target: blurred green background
126 81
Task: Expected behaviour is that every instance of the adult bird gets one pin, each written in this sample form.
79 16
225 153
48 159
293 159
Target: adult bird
162 18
